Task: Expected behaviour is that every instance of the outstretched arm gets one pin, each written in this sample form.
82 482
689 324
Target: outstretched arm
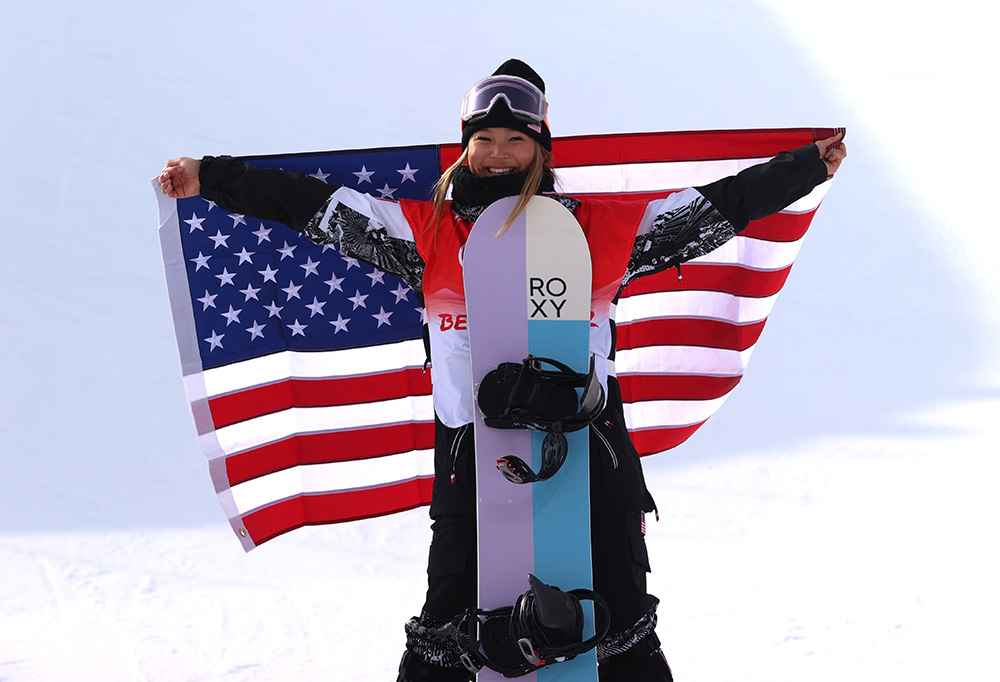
695 221
264 193
765 189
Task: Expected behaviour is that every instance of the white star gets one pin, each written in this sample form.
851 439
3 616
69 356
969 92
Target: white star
220 239
292 291
310 267
238 219
423 314
408 173
211 204
269 274
256 330
340 324
320 175
215 341
401 292
364 175
334 283
382 317
264 233
286 251
351 262
249 293
232 315
195 223
201 261
358 300
316 307
274 310
386 192
208 301
226 277
376 277
245 256
297 329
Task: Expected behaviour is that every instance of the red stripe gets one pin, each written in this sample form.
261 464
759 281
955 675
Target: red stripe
652 441
683 331
309 510
678 146
780 227
261 400
320 448
704 145
729 279
638 387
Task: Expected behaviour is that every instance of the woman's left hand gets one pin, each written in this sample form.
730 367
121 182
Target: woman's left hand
833 152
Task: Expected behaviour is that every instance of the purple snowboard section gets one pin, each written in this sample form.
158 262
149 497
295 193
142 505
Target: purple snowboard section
495 276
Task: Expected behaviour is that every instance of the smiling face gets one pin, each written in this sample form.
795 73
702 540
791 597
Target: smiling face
499 151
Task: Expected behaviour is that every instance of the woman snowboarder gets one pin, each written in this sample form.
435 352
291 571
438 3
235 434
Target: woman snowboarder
507 148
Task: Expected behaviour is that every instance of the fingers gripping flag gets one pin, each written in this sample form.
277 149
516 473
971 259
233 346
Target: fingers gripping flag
305 369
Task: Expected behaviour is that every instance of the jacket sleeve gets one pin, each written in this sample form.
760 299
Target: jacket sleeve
698 220
265 193
765 189
360 226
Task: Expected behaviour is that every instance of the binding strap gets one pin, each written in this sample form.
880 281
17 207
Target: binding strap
543 627
526 396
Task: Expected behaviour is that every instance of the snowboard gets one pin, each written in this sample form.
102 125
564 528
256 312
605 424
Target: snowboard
528 292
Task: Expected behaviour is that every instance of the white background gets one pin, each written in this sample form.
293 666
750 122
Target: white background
834 520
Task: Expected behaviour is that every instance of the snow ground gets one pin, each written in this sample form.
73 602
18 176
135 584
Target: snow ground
834 518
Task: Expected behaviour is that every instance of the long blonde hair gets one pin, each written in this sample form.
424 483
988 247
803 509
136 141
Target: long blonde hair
540 165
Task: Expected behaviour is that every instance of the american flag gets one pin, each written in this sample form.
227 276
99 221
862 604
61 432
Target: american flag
305 368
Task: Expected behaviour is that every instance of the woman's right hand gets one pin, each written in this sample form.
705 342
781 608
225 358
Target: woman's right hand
179 178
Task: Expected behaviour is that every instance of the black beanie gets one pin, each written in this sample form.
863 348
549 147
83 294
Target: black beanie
500 116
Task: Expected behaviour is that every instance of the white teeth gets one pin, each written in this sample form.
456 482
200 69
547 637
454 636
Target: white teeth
501 171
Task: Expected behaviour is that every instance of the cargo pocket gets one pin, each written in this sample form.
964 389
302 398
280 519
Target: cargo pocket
640 558
451 581
447 560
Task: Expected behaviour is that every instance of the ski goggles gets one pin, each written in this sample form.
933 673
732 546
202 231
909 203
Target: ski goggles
523 98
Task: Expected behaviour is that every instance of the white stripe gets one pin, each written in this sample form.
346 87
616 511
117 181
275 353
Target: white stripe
711 305
670 413
270 428
811 201
647 177
662 176
332 477
317 365
682 360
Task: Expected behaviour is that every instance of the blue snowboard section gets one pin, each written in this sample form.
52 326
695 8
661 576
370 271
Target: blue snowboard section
562 504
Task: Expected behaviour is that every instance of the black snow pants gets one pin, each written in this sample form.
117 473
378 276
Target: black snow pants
619 499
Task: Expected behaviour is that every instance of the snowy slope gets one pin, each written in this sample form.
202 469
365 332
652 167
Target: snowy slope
835 518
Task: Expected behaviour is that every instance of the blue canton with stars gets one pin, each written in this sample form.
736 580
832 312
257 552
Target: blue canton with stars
260 287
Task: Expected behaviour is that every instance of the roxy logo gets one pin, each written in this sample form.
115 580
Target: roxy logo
547 296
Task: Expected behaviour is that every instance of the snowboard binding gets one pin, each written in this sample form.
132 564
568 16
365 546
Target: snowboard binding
525 396
543 627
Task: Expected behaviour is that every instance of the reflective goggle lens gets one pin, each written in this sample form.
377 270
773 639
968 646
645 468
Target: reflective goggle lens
523 98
